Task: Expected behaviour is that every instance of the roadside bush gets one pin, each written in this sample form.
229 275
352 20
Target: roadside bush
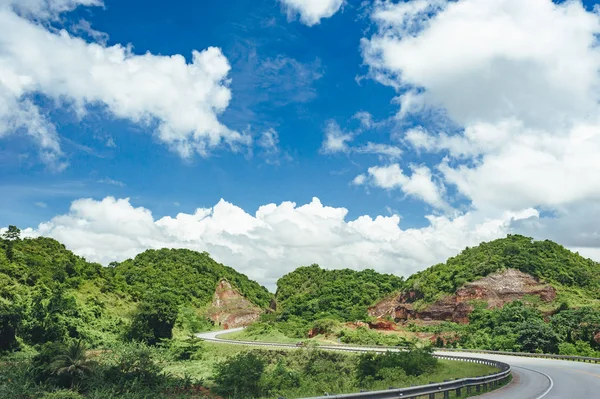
375 367
326 326
364 336
579 348
279 379
259 328
130 366
239 376
190 349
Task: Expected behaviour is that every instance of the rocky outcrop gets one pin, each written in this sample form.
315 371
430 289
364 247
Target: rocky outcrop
496 289
385 325
230 309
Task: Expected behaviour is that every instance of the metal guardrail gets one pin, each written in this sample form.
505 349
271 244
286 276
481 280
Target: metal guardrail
584 359
459 386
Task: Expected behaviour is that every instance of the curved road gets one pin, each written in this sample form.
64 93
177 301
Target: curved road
532 378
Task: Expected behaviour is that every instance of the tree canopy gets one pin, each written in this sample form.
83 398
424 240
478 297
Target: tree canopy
311 292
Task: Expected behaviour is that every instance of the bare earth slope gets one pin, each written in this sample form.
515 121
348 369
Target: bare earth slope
496 289
229 309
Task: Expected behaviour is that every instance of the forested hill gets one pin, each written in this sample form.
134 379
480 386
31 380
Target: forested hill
311 292
546 260
191 275
43 261
48 294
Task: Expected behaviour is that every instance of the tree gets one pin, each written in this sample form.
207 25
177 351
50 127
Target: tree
155 317
73 364
51 317
10 319
239 376
12 234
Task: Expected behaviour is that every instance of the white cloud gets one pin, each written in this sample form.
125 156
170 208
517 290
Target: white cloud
335 139
273 241
482 60
520 79
385 150
113 182
183 100
419 185
47 9
365 119
269 140
311 11
359 180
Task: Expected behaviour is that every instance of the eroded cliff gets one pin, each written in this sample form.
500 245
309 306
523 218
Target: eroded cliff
495 289
230 309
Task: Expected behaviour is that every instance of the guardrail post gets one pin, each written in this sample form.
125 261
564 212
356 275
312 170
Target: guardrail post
477 388
469 390
432 396
446 394
458 392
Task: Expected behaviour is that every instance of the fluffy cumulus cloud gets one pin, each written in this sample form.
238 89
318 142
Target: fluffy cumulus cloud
272 241
518 83
180 100
311 12
419 184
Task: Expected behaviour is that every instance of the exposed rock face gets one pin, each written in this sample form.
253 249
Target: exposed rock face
229 309
496 289
382 325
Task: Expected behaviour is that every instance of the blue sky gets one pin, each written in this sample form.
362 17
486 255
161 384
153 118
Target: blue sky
319 86
441 130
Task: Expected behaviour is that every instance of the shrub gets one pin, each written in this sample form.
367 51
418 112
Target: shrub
155 318
190 349
239 376
131 365
364 336
376 367
62 394
279 379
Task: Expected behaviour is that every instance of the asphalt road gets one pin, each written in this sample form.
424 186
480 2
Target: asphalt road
532 378
546 378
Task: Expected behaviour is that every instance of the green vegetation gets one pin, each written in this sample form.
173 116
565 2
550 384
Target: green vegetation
71 329
189 275
519 327
546 260
311 372
312 293
318 299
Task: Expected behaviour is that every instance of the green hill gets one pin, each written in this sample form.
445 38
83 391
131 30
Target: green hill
573 275
191 275
47 293
311 292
